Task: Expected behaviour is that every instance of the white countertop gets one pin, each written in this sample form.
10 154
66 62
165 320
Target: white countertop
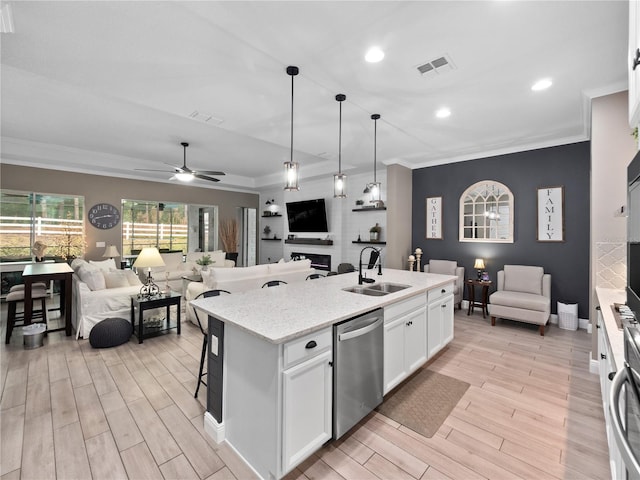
279 314
606 298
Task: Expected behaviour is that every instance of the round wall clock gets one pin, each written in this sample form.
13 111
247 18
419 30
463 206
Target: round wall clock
104 216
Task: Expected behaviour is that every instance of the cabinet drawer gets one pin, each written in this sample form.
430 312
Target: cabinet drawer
438 292
302 348
396 310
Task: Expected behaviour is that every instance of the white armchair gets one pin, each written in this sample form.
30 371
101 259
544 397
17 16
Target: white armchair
449 267
524 294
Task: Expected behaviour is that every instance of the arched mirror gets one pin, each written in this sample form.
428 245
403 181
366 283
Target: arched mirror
486 213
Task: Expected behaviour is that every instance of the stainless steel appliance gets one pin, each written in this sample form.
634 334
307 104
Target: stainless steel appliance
357 369
624 403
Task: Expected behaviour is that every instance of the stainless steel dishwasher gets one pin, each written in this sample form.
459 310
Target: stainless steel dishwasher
357 369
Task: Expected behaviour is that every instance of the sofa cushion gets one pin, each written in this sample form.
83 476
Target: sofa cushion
527 301
292 266
92 276
116 279
523 278
104 265
132 278
443 267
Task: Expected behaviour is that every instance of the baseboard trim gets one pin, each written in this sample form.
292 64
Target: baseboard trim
214 429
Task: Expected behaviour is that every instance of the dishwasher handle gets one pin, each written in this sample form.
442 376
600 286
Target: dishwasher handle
361 331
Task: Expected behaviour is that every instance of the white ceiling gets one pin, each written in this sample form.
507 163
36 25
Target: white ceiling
108 87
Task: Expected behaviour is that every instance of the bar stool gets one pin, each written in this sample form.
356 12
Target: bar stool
205 336
17 296
274 283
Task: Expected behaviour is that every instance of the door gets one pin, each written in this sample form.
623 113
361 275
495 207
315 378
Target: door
394 370
307 412
415 339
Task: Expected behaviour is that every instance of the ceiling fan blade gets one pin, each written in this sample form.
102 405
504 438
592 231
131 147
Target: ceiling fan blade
208 172
151 170
204 177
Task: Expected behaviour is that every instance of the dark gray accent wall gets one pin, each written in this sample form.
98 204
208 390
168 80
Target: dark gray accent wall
523 173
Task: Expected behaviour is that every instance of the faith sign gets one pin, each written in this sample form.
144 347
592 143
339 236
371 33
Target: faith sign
434 218
551 214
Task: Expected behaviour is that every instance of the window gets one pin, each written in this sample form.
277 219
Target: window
154 224
55 220
486 213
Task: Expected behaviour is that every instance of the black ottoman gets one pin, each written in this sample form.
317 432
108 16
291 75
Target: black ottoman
110 333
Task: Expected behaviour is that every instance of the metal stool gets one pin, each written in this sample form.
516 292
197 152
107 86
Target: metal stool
205 336
13 298
274 283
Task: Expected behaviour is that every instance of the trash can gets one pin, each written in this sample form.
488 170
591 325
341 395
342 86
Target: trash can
33 335
568 315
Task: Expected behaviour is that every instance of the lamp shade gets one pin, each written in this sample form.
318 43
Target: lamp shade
110 252
149 257
479 265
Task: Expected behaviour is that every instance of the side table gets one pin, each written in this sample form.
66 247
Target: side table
484 298
147 303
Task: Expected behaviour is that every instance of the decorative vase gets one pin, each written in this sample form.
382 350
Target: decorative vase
374 236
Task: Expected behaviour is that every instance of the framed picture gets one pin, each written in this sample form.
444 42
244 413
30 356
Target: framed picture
434 218
551 214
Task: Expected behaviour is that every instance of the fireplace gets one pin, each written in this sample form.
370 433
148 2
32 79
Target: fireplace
319 262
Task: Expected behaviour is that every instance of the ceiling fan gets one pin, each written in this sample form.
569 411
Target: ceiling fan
184 173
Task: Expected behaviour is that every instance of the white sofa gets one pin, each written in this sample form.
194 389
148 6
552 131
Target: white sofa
175 267
100 291
241 279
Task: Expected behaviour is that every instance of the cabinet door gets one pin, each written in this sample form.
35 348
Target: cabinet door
434 328
307 400
415 339
447 320
394 365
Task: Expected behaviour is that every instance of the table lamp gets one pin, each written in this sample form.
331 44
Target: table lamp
479 265
110 252
149 257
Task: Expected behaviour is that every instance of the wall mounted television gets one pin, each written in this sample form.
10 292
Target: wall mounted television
309 216
633 236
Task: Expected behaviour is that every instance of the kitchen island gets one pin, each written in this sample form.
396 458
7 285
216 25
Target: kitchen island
273 390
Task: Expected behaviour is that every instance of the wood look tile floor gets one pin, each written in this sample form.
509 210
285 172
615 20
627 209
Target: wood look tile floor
69 411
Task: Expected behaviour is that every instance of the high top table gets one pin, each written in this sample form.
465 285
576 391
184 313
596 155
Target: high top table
43 272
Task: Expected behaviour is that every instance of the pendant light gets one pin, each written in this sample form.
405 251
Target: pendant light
291 167
374 188
340 180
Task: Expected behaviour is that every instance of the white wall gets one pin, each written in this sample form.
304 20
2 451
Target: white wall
344 225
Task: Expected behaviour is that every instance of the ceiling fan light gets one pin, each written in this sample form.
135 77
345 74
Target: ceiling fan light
184 176
339 185
291 176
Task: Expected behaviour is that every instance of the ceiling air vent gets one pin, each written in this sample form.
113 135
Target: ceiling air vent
436 66
205 117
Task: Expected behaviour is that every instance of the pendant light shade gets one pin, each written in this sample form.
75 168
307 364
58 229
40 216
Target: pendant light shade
291 167
340 180
374 188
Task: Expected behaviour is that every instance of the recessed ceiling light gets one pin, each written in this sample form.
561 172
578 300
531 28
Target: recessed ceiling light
444 112
541 84
374 55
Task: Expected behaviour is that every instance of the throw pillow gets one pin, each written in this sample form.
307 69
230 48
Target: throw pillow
104 265
92 276
77 263
132 278
116 279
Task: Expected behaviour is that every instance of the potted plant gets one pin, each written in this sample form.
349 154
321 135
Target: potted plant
266 231
204 261
374 233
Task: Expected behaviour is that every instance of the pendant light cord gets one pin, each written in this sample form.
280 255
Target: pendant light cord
291 158
375 145
340 140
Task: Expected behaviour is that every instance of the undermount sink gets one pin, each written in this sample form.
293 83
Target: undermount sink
388 287
376 290
365 291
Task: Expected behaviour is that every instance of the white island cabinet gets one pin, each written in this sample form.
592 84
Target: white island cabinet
405 339
277 356
440 318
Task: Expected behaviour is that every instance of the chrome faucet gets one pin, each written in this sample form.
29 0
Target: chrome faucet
362 279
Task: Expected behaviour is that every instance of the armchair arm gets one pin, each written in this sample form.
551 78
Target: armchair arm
460 279
501 280
425 269
546 285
